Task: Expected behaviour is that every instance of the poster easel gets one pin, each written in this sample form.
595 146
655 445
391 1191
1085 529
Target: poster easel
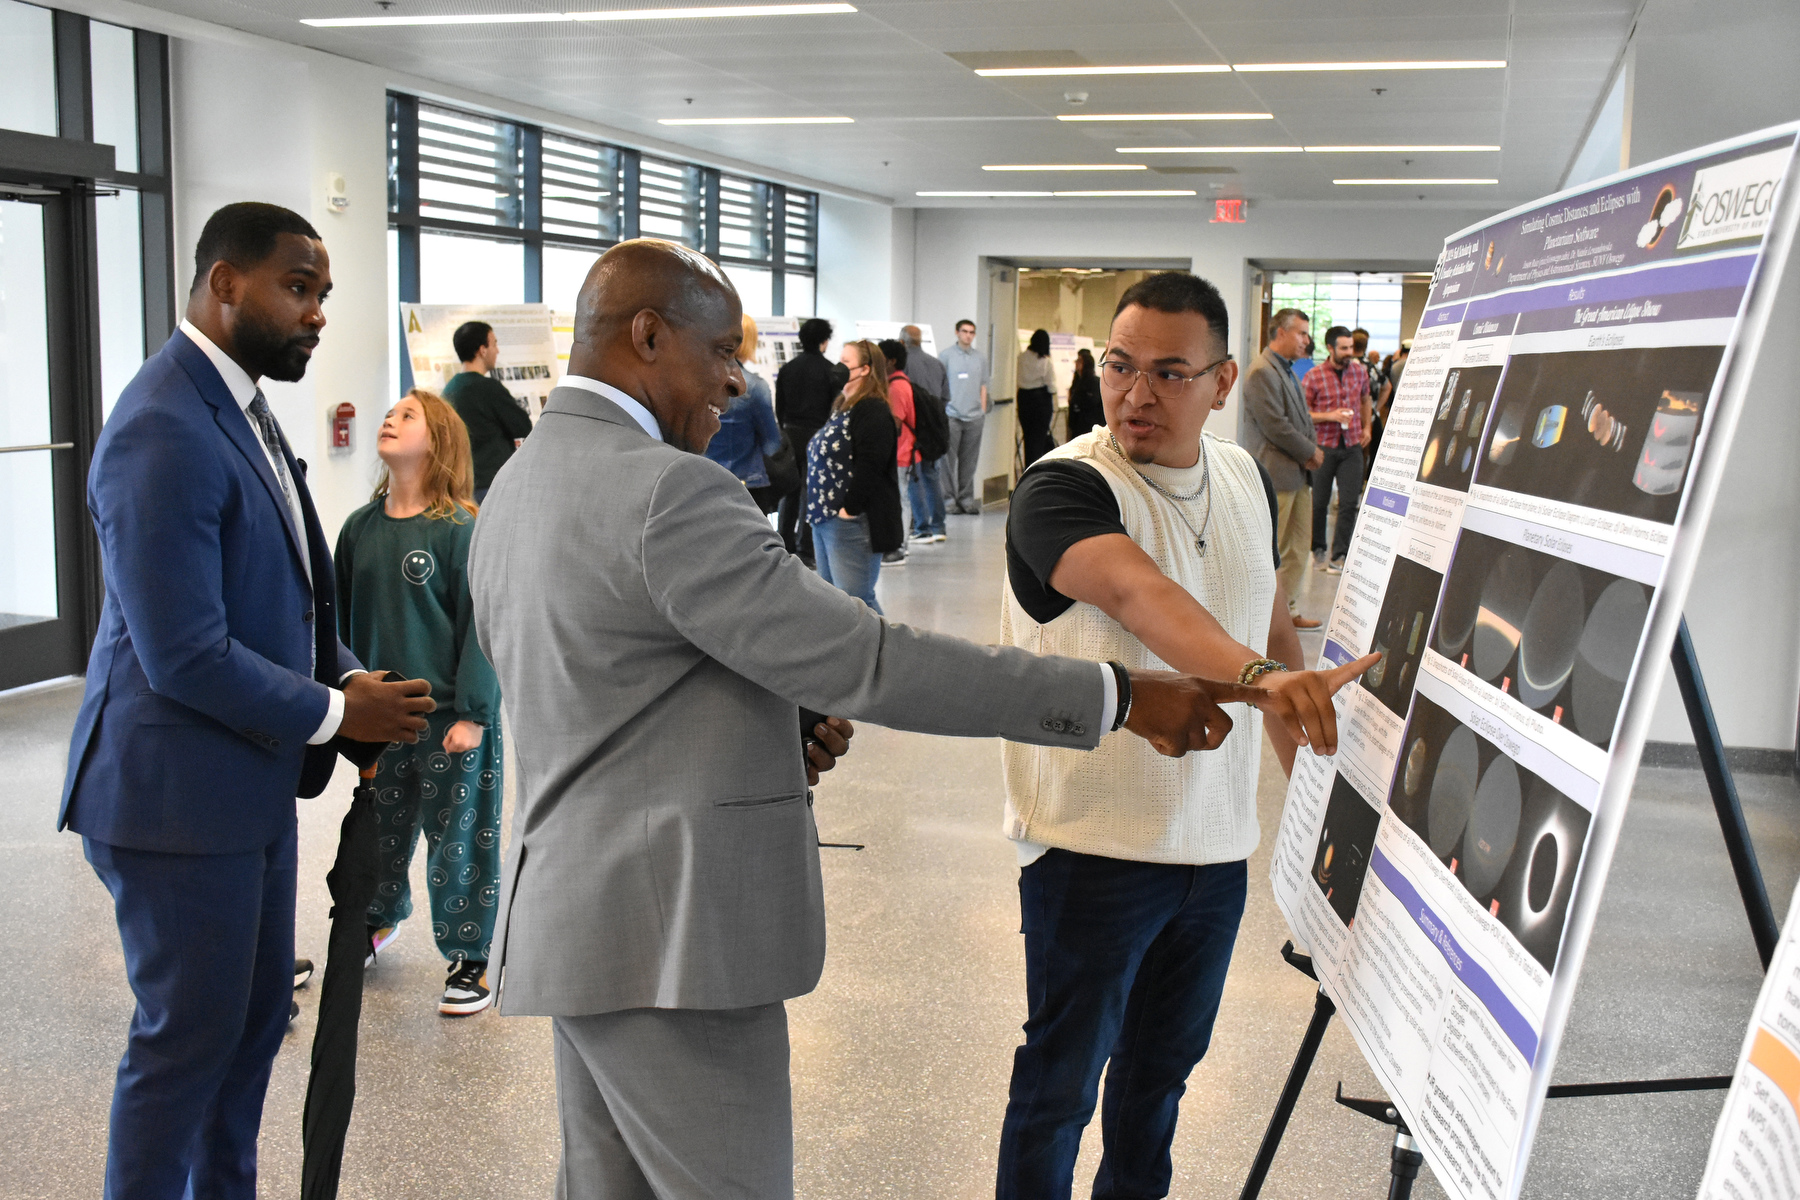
1406 1158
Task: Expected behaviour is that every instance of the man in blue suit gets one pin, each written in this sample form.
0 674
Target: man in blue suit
215 691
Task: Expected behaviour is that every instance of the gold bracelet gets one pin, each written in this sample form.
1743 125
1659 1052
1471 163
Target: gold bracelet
1256 668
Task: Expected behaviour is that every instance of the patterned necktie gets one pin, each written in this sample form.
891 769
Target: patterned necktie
271 437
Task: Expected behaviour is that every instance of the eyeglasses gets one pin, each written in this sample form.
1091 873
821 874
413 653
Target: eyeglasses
1164 383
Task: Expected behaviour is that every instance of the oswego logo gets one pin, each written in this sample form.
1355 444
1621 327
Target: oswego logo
1732 200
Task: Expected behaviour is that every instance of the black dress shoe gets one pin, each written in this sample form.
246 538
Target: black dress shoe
293 1010
303 971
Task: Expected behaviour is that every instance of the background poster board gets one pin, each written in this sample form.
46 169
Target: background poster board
1756 1146
777 344
528 364
875 331
1063 348
1530 529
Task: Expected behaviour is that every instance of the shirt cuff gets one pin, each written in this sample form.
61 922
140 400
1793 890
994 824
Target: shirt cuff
1109 705
334 716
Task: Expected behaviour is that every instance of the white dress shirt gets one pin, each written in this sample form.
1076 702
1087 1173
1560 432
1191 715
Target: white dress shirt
647 420
243 390
633 409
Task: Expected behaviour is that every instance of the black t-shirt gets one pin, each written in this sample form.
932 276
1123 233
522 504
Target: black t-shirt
1057 504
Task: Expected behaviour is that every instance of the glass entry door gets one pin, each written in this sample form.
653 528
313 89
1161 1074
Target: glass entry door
43 550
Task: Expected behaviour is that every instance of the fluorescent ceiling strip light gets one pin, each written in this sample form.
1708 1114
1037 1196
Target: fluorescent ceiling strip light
1048 195
1171 69
757 121
617 14
1482 64
1209 150
1166 117
1406 182
1396 149
1067 167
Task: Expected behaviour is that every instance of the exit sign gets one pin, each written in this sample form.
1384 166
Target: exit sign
1230 212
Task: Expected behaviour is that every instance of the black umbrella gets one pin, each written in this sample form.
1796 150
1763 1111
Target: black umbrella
331 1092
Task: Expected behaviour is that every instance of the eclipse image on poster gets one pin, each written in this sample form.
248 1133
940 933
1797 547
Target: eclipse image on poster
1556 636
1608 429
1345 844
1401 630
1512 840
1454 443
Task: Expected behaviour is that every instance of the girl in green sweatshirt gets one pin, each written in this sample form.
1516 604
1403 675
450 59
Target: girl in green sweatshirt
403 600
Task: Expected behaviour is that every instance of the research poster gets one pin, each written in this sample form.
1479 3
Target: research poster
528 364
1756 1146
777 344
1064 348
1522 554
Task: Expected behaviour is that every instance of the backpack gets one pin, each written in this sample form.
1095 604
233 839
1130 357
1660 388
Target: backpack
931 431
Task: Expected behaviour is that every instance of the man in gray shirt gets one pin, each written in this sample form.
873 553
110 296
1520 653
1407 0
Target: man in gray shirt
923 367
967 402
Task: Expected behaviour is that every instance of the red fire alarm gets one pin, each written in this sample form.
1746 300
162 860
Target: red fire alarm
1229 212
340 426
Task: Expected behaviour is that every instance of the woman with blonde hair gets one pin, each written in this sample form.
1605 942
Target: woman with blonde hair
403 599
852 481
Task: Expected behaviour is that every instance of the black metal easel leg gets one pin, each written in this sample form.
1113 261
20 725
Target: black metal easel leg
1406 1163
1724 795
1323 1009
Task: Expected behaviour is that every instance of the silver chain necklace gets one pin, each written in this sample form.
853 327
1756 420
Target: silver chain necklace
1179 501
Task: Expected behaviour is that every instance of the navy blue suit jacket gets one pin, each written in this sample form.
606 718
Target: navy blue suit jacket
192 735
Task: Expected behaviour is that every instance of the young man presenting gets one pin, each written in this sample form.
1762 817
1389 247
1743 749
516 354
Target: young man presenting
1149 543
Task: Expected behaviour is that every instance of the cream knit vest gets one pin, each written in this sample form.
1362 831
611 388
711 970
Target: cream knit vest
1124 800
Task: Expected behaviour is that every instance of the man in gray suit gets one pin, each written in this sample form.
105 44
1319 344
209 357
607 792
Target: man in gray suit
1275 425
662 897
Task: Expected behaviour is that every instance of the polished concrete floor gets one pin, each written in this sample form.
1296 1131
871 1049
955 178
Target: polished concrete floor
901 1056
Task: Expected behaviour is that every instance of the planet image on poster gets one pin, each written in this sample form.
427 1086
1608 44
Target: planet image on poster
1534 893
1609 642
1553 627
1414 776
1493 827
1452 793
1429 460
1669 443
1468 456
1462 605
1505 442
1549 428
1504 600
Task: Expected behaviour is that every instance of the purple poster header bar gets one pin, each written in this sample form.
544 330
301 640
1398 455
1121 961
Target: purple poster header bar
1386 501
1472 976
1336 652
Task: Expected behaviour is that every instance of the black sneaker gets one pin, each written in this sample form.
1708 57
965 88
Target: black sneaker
466 991
894 558
303 971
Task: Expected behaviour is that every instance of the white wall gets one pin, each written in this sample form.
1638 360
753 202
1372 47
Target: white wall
856 263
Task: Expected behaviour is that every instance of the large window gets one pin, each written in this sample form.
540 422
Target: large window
1353 299
485 210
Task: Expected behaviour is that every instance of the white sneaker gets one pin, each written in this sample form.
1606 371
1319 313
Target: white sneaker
940 537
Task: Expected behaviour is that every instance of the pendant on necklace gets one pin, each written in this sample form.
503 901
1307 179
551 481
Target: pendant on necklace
1200 546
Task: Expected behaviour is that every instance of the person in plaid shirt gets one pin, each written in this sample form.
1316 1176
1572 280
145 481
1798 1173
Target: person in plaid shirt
1337 393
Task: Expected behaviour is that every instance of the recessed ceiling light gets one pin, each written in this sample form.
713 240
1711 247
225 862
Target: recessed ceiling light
1166 116
1483 64
1171 69
1209 149
1407 182
1396 149
1044 195
757 121
1140 192
1066 167
617 14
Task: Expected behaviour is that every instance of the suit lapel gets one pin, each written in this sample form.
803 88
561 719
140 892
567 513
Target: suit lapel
235 424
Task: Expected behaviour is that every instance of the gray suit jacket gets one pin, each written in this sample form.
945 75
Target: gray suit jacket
653 639
1274 424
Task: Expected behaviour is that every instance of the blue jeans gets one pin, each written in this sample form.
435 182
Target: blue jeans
926 497
209 954
1123 960
844 558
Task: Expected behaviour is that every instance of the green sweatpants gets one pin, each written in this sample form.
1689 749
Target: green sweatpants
458 797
